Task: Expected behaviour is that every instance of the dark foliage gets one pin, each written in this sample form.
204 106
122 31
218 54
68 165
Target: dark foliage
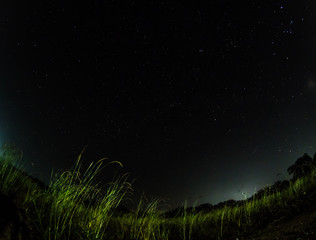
12 221
302 166
11 151
205 208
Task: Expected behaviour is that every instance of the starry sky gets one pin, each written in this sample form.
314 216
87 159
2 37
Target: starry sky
205 101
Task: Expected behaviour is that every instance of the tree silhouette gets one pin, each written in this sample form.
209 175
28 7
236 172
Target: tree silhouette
301 167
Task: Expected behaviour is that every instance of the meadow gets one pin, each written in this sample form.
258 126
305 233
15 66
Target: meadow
75 207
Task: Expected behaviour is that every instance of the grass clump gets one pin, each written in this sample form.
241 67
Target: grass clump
145 222
78 207
10 176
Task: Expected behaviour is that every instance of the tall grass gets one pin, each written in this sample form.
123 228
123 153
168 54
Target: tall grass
145 222
10 176
233 221
74 206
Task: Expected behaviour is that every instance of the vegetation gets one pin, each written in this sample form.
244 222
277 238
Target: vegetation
74 206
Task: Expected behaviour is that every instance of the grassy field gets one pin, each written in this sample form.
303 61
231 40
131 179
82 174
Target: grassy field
75 207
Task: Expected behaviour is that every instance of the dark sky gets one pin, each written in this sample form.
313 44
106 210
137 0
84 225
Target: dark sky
203 100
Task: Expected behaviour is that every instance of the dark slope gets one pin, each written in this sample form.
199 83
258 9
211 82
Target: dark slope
297 223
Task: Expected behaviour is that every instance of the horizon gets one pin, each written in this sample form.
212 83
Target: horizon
164 202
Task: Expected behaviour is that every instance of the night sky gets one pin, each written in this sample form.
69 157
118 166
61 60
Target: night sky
204 101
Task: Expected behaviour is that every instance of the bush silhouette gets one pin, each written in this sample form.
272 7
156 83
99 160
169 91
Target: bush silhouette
302 166
10 152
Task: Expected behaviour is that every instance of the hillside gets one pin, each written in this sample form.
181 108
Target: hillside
73 208
295 222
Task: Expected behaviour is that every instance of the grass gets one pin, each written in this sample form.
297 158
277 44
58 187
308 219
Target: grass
74 206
